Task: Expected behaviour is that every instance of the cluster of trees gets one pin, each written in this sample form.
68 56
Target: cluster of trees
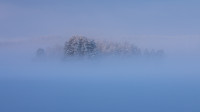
118 49
153 53
79 46
82 46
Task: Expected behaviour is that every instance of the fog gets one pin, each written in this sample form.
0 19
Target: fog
41 70
109 84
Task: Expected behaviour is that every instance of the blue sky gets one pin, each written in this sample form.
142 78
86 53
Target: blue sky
102 18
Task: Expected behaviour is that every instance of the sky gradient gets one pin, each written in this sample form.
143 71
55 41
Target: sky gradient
35 18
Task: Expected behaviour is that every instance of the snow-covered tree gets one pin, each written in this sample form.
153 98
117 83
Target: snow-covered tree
80 46
118 49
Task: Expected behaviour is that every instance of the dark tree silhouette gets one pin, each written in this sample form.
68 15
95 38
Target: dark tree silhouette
40 52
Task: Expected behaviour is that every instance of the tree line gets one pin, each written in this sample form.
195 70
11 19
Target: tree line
80 46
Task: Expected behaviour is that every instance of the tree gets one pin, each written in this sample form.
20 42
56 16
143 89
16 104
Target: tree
160 53
80 46
40 52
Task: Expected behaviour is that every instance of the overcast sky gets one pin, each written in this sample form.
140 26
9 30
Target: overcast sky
102 18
